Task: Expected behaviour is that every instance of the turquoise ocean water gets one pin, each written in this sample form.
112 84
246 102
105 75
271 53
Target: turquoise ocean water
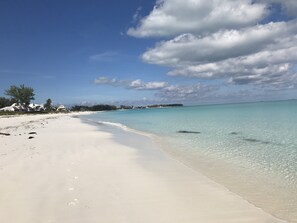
250 148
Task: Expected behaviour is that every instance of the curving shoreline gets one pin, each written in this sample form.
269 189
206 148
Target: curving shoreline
72 171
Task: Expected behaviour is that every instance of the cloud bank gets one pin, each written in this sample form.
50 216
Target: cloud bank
163 90
242 41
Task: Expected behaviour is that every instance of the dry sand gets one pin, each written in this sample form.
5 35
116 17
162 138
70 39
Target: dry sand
72 172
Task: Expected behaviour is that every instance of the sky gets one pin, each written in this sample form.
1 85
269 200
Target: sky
139 52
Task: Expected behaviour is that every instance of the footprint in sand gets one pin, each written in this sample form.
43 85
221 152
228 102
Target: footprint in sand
71 189
74 202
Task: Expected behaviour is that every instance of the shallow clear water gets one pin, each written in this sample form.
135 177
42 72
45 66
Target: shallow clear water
250 148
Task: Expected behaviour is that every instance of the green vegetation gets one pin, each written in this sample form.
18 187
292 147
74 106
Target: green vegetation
48 105
112 107
21 94
4 102
20 98
94 108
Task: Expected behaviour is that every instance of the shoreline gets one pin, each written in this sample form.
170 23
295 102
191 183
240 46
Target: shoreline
270 200
256 188
72 171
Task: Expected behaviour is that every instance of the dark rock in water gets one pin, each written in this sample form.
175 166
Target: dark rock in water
5 134
194 132
255 140
233 133
31 137
251 140
32 133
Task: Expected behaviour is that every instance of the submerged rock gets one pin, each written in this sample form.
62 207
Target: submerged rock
256 140
251 140
194 132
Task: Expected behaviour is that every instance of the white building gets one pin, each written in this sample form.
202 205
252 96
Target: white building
61 108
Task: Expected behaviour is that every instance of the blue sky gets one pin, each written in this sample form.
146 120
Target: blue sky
142 52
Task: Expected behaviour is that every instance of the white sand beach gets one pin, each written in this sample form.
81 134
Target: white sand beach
72 171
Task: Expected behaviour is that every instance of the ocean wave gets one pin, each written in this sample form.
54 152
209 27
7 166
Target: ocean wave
114 124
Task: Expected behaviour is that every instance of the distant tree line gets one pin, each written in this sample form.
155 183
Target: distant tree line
100 107
165 105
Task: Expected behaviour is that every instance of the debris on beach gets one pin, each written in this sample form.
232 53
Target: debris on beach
31 137
5 134
32 133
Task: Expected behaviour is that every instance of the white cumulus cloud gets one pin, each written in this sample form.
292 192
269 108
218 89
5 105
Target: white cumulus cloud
137 84
140 85
268 69
174 17
109 81
190 49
